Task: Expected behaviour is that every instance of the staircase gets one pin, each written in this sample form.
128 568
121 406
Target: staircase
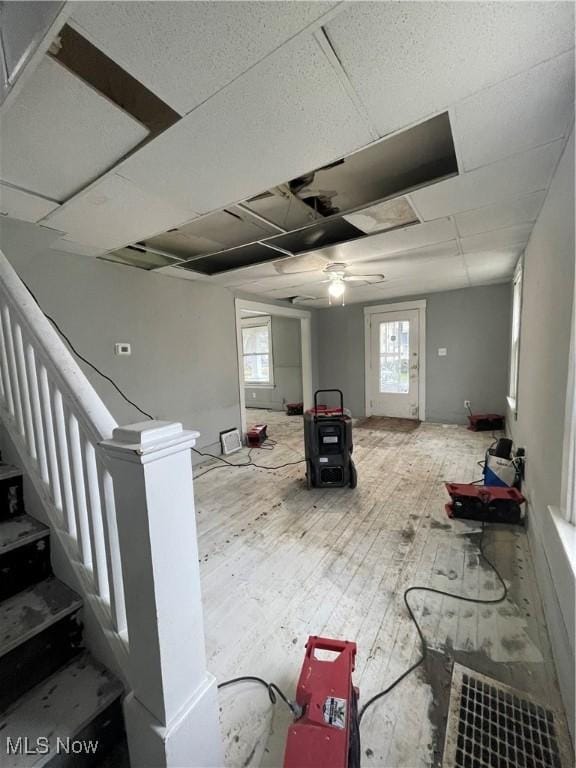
119 506
58 705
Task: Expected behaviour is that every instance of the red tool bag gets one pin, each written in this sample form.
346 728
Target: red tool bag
327 734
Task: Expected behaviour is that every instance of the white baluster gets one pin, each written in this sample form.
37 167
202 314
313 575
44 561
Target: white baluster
24 390
112 549
63 457
7 386
50 441
11 365
94 513
78 488
36 411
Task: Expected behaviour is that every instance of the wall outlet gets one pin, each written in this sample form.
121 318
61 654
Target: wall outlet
122 348
442 351
254 395
466 403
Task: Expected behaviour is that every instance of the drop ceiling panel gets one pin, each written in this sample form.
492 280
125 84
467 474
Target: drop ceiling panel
520 211
525 111
62 134
490 266
426 265
209 43
410 261
282 282
114 212
526 172
26 238
24 26
290 113
425 56
66 245
319 235
386 243
396 289
497 239
180 274
215 232
391 214
254 273
286 211
140 259
251 287
22 205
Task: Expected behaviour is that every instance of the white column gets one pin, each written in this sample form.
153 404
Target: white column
172 712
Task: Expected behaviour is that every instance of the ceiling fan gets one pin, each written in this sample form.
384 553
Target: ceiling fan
337 278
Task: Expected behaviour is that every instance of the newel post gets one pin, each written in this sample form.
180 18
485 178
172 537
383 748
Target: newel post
172 713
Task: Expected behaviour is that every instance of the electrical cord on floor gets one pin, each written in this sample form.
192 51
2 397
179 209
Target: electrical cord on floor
85 360
249 463
423 643
272 689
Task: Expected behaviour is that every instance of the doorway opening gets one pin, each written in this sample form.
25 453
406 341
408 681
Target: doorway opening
395 358
274 364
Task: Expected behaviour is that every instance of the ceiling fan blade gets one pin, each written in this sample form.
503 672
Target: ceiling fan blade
364 278
304 299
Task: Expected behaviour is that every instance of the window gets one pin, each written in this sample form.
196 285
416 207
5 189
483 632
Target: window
257 352
394 346
569 451
515 342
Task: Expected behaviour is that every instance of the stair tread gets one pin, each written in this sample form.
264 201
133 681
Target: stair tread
20 530
7 471
60 707
30 611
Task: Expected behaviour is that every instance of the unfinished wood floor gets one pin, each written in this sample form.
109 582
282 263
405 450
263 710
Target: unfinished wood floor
279 563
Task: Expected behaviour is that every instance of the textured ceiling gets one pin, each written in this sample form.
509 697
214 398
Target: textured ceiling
267 94
60 134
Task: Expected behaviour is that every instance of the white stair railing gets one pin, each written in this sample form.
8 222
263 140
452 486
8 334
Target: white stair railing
121 502
57 420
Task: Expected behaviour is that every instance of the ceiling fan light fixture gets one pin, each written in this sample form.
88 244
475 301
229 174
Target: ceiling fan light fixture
336 288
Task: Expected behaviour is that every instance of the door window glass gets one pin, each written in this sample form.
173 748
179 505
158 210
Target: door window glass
394 347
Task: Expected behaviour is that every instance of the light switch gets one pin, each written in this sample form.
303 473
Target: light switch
442 351
122 348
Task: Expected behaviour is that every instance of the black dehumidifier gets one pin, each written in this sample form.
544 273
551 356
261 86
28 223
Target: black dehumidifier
328 445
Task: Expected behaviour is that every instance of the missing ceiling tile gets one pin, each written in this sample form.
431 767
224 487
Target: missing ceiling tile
132 256
412 158
367 187
328 232
93 66
234 258
212 233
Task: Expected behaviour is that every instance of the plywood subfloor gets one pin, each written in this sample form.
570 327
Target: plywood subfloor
279 563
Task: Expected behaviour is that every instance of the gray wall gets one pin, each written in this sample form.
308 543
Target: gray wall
473 324
548 294
287 363
183 365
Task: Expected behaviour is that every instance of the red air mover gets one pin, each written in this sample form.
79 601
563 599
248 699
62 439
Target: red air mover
486 422
327 735
256 435
490 504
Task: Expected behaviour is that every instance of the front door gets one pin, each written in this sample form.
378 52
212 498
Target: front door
393 372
